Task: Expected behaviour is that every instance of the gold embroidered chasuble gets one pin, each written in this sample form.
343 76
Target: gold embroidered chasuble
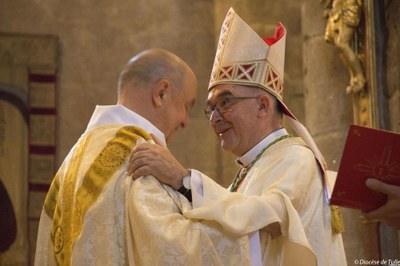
94 214
84 209
284 186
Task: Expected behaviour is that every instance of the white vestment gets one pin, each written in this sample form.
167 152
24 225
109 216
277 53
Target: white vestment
284 186
94 214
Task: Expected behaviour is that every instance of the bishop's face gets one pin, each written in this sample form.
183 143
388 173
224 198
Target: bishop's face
232 110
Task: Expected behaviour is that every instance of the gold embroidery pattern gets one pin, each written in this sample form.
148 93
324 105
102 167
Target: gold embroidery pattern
273 81
52 195
250 73
385 167
68 225
60 216
221 44
58 240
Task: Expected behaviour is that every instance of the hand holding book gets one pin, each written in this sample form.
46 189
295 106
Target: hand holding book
388 213
374 155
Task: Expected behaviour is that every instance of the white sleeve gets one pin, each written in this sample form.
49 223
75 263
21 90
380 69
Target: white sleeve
204 189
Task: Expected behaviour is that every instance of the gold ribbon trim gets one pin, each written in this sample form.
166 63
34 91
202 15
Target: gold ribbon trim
68 218
336 220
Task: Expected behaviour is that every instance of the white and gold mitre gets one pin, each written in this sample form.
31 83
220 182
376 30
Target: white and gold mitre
243 57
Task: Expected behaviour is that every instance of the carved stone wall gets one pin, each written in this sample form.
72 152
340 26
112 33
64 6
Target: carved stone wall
392 80
328 115
392 59
27 145
325 80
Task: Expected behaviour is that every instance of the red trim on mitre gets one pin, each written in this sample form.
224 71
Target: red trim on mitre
280 31
287 112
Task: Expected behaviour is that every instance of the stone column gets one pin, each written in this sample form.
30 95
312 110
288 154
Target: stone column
328 113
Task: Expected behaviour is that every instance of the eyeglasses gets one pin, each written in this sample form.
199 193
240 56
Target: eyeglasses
224 105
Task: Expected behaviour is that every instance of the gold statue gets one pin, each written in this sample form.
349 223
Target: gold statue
343 19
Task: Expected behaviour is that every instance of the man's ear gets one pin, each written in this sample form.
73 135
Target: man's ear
160 90
264 104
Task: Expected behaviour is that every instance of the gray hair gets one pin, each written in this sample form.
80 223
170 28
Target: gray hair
277 105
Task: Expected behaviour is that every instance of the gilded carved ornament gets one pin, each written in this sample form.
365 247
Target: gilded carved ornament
342 29
343 19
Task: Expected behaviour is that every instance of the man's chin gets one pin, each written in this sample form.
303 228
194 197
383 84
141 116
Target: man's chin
225 146
169 138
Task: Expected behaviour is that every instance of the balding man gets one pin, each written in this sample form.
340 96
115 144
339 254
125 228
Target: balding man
85 218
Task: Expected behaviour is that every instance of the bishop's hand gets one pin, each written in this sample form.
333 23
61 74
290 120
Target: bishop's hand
156 160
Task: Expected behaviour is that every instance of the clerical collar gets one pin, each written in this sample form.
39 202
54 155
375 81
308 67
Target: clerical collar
119 114
249 156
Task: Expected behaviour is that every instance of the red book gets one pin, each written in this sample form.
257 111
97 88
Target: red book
368 153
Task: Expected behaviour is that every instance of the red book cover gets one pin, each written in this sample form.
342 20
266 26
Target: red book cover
368 153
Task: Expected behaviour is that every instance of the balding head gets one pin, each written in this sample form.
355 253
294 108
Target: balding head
160 87
145 69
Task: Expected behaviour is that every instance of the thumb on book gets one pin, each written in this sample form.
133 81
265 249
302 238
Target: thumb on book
380 186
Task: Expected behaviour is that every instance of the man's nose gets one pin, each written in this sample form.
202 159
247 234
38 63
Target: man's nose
215 116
